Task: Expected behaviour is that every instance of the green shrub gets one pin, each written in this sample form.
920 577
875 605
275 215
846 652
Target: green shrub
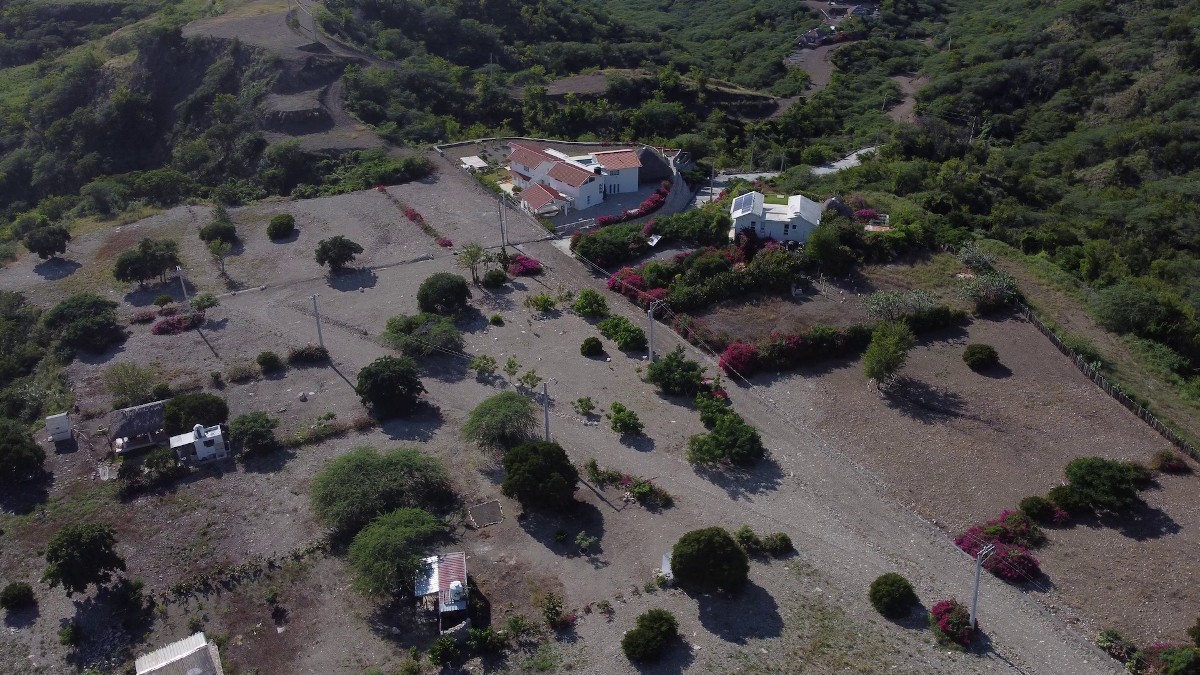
591 346
496 320
1066 498
624 421
84 321
651 634
483 365
219 231
1194 632
675 374
19 453
443 293
255 431
1038 508
502 421
1104 483
542 302
583 405
539 475
494 278
390 386
748 540
163 300
892 596
777 544
1169 461
362 484
621 331
17 595
336 252
185 411
269 362
980 357
485 640
281 226
70 634
425 334
709 559
387 554
731 440
307 354
204 301
591 304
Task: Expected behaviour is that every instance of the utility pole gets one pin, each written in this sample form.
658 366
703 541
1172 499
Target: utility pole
983 554
317 313
650 317
182 284
546 410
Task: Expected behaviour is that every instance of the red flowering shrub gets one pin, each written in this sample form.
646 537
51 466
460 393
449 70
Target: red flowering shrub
653 295
444 242
144 316
413 215
865 215
381 187
1012 563
524 266
627 282
648 228
168 310
575 239
739 357
1013 533
605 221
951 621
177 324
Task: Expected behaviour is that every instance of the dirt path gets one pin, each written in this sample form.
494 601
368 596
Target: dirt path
909 86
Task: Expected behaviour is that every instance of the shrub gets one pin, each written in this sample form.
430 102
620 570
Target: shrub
131 384
709 559
777 544
179 323
1010 527
1103 483
425 334
357 487
387 554
748 540
539 475
584 405
163 300
336 252
624 421
84 321
980 357
1169 461
485 640
269 362
590 303
17 595
70 634
1194 632
951 623
185 411
443 293
542 302
731 440
739 358
307 354
888 350
621 331
255 431
675 374
892 596
204 301
390 386
650 635
524 266
219 231
1066 498
443 651
494 278
502 421
591 346
1043 511
483 365
991 291
281 226
143 316
445 242
1012 563
496 320
1115 645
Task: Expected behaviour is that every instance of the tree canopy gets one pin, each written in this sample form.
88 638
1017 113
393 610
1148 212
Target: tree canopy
709 559
336 252
152 258
81 554
364 483
539 475
390 386
502 421
185 411
387 554
48 241
443 293
19 453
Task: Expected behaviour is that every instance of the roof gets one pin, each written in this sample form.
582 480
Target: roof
190 656
518 174
136 421
474 162
440 572
618 159
538 196
191 437
751 202
570 174
799 205
527 155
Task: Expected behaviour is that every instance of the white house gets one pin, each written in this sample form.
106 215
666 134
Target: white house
201 444
193 655
575 182
791 222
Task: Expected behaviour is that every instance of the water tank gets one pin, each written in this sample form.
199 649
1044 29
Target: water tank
457 590
198 431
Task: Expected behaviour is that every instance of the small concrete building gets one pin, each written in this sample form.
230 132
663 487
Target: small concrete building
201 444
793 221
59 427
193 655
444 583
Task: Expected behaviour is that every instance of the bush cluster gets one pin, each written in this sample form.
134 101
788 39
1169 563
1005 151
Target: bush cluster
269 362
1013 533
281 226
1106 484
675 374
1044 511
892 596
951 623
1169 461
501 421
16 596
980 357
523 266
611 245
494 278
651 634
622 331
355 488
624 421
776 545
591 346
539 475
307 354
709 559
443 293
425 334
590 303
179 323
730 440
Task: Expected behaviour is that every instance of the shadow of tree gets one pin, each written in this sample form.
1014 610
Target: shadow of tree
750 614
997 372
17 619
1142 523
922 401
353 280
638 442
419 426
676 658
23 497
268 462
545 528
743 482
56 268
142 296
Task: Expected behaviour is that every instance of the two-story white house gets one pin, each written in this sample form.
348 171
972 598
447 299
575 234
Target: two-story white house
552 180
791 222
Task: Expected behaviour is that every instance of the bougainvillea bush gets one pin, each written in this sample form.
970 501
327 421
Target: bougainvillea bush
1013 533
1012 563
951 622
524 266
144 316
739 357
178 323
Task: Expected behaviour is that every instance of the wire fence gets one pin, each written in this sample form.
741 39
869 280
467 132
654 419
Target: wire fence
1092 373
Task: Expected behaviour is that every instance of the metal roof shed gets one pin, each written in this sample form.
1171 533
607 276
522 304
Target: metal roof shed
190 656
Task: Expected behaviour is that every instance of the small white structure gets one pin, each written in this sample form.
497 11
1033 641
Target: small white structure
791 222
474 163
193 655
201 444
445 582
59 427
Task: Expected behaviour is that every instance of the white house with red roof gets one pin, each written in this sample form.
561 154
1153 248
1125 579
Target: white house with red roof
551 180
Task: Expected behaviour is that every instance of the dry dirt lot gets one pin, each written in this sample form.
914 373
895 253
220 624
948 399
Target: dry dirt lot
807 612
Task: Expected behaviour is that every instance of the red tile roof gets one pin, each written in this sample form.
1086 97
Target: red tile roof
527 155
538 195
520 175
618 159
569 174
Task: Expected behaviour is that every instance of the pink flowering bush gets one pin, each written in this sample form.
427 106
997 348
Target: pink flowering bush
524 266
1013 533
178 323
951 621
648 228
143 316
1012 563
605 221
739 357
864 215
444 242
168 310
414 215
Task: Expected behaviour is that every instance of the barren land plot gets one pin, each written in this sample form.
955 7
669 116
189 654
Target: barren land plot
959 447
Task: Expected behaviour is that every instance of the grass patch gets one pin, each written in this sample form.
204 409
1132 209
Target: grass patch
933 274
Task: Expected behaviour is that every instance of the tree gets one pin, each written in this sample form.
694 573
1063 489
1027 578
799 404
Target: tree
16 596
255 431
472 257
1103 483
19 453
204 301
47 241
85 321
502 421
675 374
539 475
980 357
443 293
130 384
511 367
709 559
151 258
362 484
892 596
425 334
888 350
653 630
387 554
281 226
1129 308
623 420
390 386
731 440
183 412
220 249
483 365
336 252
82 554
219 230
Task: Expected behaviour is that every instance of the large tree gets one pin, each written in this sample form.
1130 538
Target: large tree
152 258
888 351
337 252
82 554
19 453
185 411
47 241
362 484
443 293
709 559
390 386
387 554
676 374
539 475
502 421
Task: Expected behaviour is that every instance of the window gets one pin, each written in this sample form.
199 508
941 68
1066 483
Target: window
208 443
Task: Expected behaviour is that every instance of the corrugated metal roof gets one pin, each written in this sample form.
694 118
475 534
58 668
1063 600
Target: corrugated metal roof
440 572
189 656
